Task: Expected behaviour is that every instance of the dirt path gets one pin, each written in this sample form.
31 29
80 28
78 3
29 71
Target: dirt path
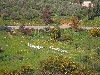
41 27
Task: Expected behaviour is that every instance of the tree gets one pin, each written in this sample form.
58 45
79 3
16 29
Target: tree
27 15
74 9
5 13
97 9
80 11
74 20
46 16
91 13
29 9
4 16
14 15
83 13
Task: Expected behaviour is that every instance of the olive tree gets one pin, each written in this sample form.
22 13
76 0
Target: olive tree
97 9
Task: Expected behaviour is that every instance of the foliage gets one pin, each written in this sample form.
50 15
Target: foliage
98 50
97 67
22 29
4 16
84 13
64 66
90 14
74 9
55 33
86 59
47 29
28 9
74 20
66 38
15 15
58 64
28 31
46 16
94 32
97 8
23 70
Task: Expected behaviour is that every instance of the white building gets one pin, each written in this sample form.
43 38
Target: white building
87 4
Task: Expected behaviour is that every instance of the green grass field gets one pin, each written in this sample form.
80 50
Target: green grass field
17 52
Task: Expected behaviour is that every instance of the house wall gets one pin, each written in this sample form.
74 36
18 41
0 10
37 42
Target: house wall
87 4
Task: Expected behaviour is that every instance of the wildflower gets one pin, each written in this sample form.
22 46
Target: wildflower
22 36
4 37
6 45
28 44
42 37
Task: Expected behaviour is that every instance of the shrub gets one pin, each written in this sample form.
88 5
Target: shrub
98 50
47 29
23 70
63 66
46 16
66 38
58 64
55 33
97 67
14 15
94 32
5 71
26 70
22 28
74 20
28 31
86 60
83 70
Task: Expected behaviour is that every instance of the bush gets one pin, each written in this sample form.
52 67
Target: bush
23 70
86 60
15 15
98 51
28 31
58 64
94 32
97 67
22 29
46 16
55 33
74 20
66 38
63 66
47 29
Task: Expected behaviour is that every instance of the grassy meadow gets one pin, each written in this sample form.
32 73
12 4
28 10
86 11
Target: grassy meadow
16 51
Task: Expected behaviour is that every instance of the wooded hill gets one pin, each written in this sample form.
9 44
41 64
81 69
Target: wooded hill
28 9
